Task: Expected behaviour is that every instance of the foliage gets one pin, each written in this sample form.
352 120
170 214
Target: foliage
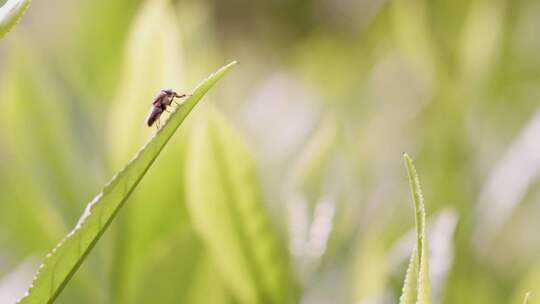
286 185
10 14
64 260
416 288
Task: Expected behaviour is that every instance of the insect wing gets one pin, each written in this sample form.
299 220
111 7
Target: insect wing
160 99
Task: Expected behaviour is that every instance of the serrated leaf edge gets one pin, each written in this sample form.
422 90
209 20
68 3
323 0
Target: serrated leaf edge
95 201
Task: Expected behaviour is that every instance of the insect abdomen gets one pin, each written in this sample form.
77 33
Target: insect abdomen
153 116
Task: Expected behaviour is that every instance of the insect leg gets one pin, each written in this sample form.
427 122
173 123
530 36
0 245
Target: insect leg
181 96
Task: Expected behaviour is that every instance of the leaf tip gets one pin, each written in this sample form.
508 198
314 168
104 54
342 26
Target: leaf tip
406 157
232 63
409 165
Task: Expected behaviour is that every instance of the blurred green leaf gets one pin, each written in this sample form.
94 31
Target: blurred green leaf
48 141
94 67
370 269
153 60
203 278
312 167
481 36
67 256
34 148
527 298
169 270
10 14
41 151
530 282
226 208
414 38
417 278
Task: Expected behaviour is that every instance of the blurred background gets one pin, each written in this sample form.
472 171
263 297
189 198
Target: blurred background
327 96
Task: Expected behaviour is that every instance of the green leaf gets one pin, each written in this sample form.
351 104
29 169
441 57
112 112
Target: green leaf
414 37
417 277
10 14
226 208
527 298
202 278
370 269
408 293
67 256
39 140
152 60
316 158
39 144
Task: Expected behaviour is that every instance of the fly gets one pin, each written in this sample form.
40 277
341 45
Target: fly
160 104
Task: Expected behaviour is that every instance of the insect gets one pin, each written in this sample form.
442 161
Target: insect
160 104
